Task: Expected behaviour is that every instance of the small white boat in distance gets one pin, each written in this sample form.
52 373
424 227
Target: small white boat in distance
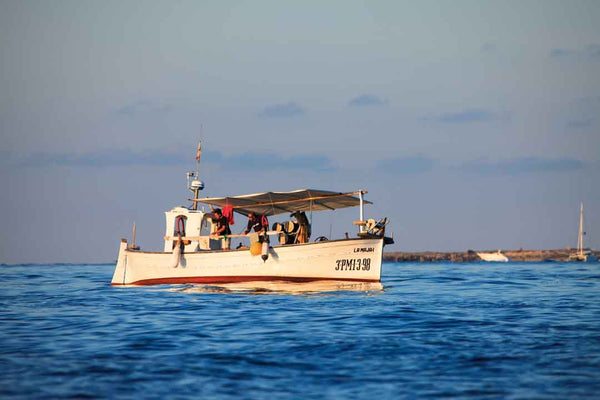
192 253
582 255
493 257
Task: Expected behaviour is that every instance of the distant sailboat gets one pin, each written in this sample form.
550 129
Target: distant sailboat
493 257
582 254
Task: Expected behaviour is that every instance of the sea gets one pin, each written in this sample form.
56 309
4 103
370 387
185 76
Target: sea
439 330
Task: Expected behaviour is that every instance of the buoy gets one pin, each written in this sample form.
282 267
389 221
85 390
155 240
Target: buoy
255 248
370 225
290 226
175 256
265 251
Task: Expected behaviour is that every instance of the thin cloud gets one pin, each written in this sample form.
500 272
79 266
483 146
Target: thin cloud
106 158
584 111
561 53
312 162
593 51
284 110
581 123
406 165
367 100
489 47
120 158
464 117
590 52
142 107
523 165
589 101
8 159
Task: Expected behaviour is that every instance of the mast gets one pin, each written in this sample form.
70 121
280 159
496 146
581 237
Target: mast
196 185
580 238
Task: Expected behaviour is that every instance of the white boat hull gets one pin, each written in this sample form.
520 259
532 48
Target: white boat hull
584 257
493 257
346 260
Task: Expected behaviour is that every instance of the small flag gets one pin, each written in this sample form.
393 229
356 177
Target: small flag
198 153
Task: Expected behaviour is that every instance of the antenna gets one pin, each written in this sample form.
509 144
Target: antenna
196 185
198 152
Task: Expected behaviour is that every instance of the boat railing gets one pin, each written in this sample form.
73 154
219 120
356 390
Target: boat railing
233 235
368 228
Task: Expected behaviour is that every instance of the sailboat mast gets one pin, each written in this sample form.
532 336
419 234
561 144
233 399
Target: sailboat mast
580 238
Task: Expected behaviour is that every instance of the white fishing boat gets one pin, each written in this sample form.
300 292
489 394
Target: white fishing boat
497 256
192 253
582 255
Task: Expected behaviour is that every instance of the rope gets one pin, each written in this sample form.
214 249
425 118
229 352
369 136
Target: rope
272 205
310 207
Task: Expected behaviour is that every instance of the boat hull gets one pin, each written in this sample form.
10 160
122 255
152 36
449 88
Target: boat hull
346 260
493 257
588 257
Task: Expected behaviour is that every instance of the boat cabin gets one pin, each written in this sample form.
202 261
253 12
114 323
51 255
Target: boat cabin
193 224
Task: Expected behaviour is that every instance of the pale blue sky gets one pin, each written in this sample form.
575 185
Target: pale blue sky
473 124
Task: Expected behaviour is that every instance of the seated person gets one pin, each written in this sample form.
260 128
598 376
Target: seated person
304 230
222 228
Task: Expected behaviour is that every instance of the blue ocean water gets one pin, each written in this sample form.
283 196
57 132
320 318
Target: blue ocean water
516 331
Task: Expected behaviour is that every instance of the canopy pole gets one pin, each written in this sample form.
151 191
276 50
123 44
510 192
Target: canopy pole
360 197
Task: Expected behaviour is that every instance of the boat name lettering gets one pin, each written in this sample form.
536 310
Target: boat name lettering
353 264
364 249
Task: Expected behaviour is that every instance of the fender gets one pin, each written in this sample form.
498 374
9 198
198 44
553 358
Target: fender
176 255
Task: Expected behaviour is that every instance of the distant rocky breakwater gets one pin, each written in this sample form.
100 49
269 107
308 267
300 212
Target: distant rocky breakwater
471 255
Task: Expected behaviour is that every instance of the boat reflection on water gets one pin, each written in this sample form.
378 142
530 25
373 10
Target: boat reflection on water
283 287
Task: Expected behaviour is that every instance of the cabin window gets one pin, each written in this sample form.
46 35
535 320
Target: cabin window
206 227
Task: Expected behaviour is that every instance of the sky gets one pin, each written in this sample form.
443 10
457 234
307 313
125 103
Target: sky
472 124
